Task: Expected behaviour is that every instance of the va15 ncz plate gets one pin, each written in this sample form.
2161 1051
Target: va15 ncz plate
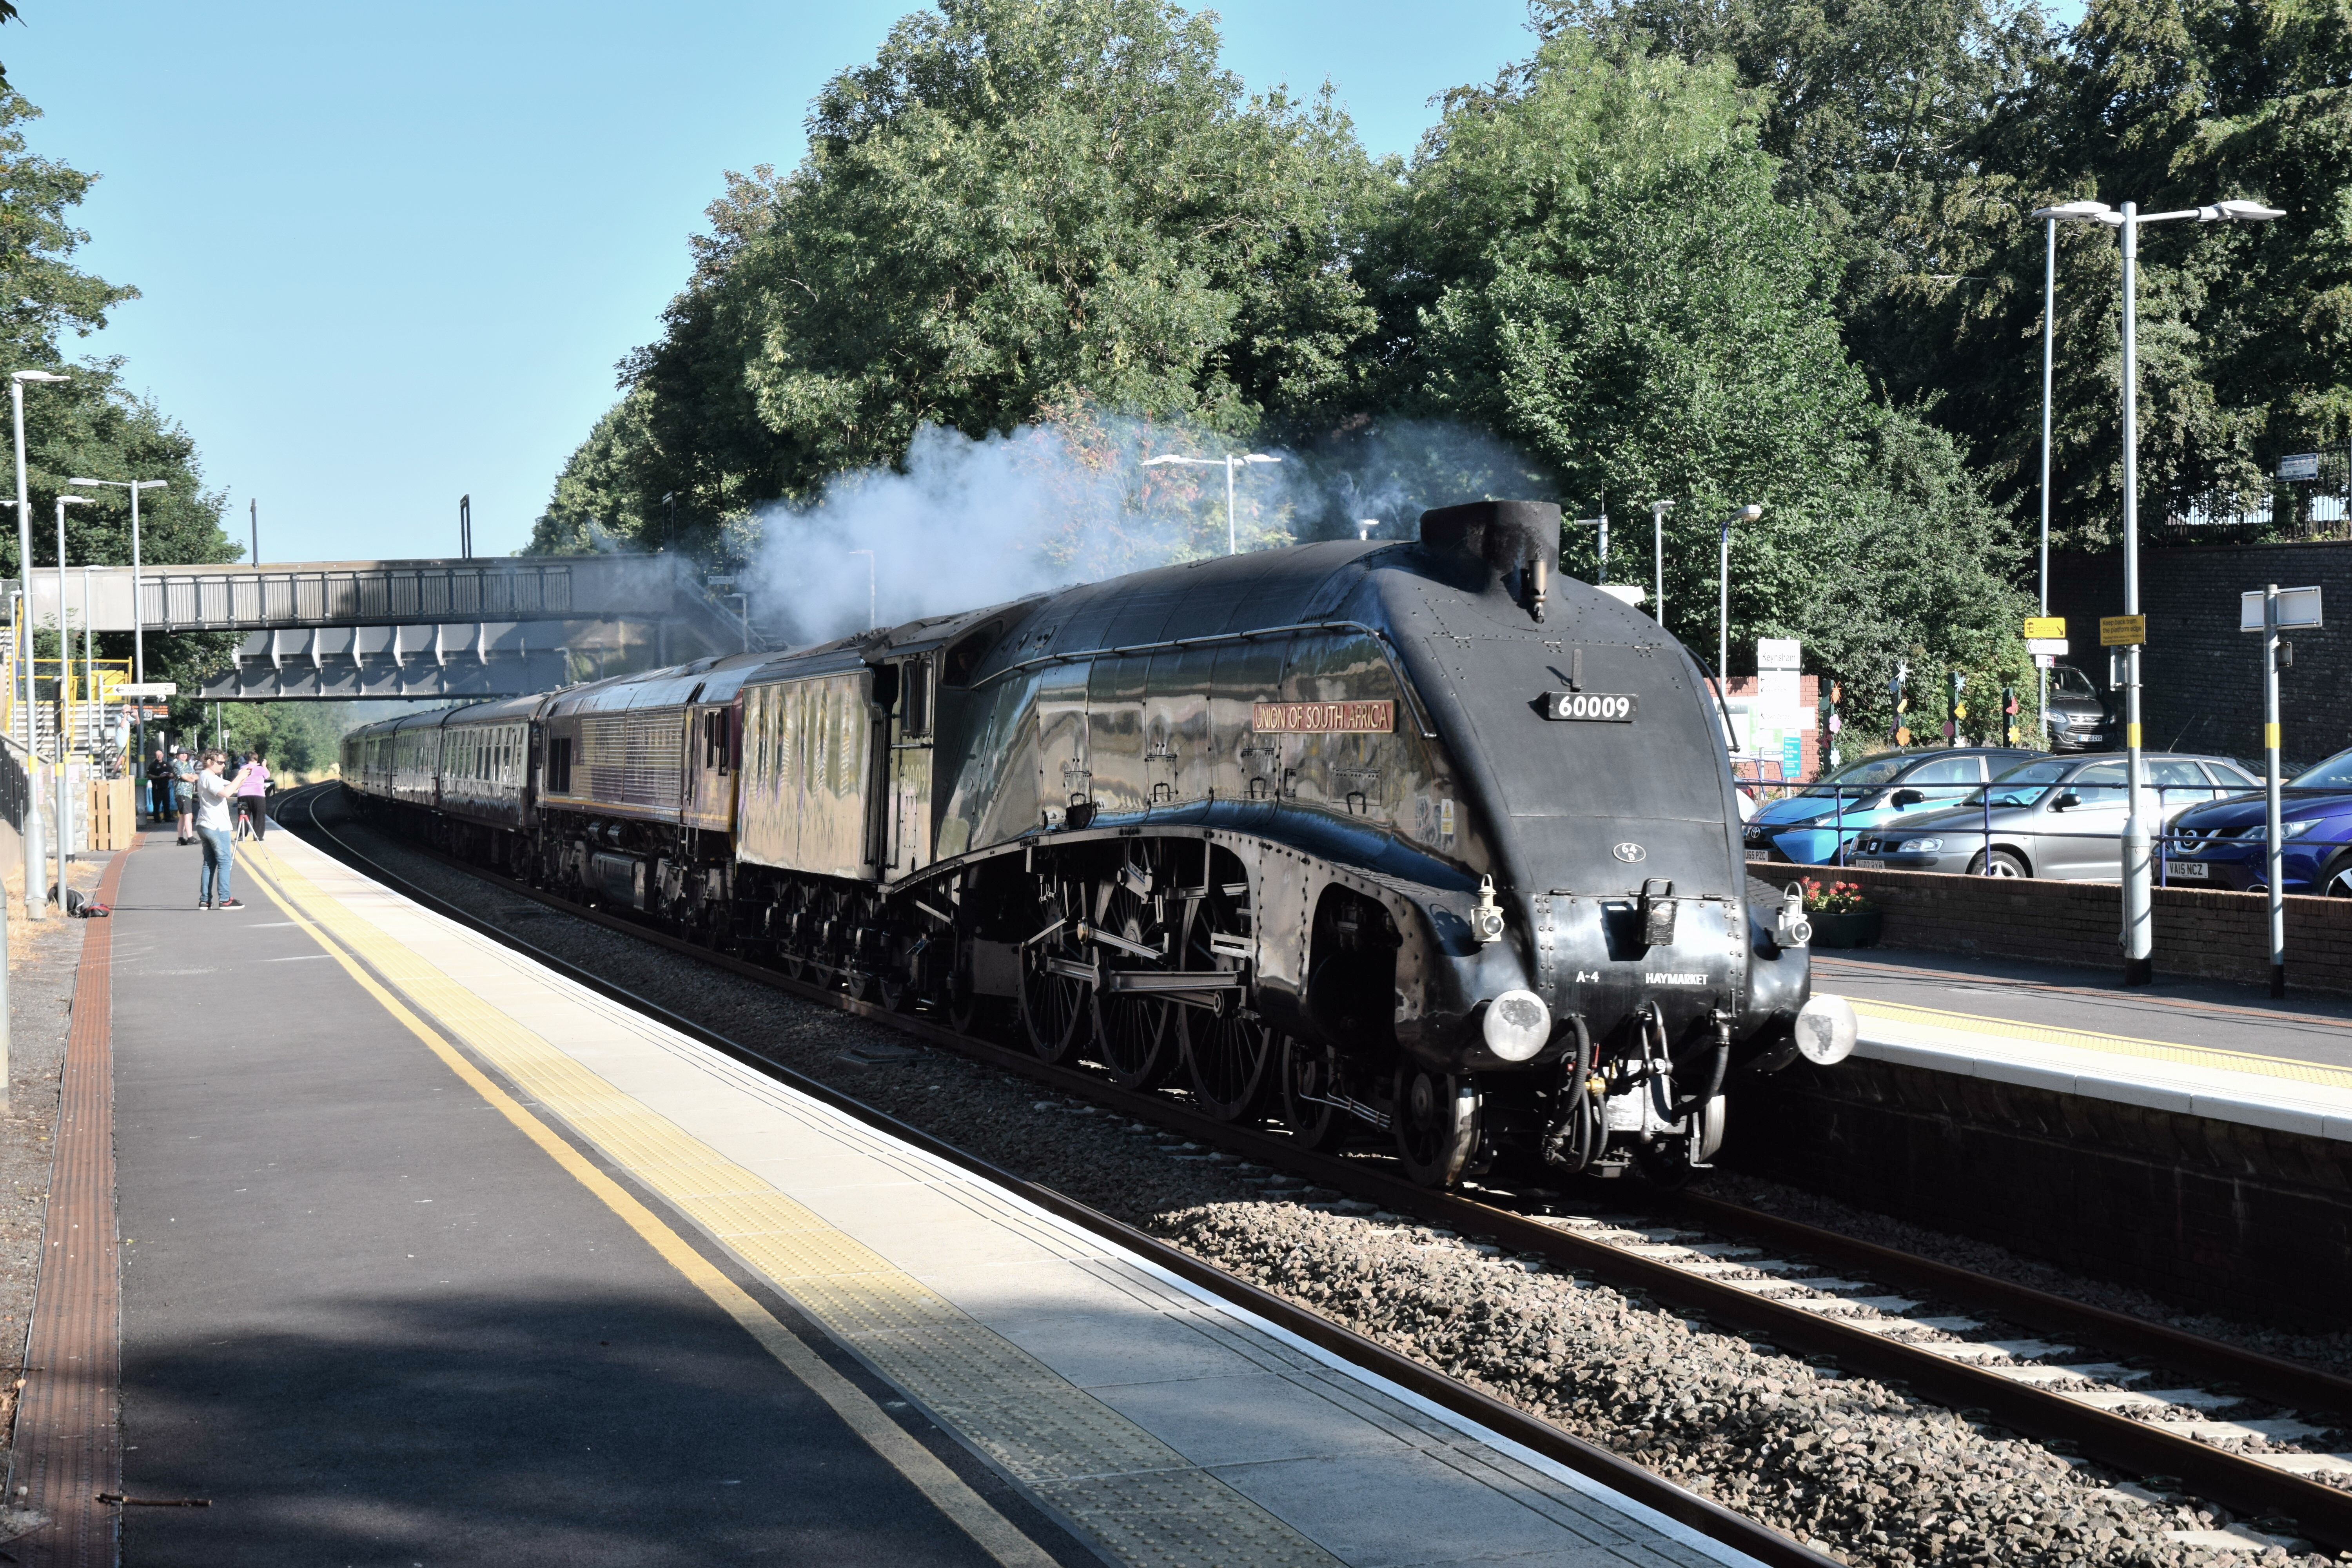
1589 705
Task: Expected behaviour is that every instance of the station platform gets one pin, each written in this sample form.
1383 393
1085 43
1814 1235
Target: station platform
2215 1051
430 1255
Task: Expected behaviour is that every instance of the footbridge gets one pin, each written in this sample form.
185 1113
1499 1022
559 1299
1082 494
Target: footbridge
340 630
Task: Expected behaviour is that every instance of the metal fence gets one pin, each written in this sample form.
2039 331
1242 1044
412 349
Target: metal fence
2308 495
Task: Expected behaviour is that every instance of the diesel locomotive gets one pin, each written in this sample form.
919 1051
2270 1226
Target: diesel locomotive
1417 838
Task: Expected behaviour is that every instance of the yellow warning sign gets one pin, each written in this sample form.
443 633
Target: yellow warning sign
2122 631
2045 625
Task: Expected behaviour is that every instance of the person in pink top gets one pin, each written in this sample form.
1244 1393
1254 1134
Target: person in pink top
252 794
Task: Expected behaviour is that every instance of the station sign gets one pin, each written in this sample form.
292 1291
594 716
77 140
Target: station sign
144 689
2052 647
2122 631
2301 466
2296 607
2041 629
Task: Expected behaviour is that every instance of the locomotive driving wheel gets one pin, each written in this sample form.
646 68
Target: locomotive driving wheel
1133 1034
1436 1124
1227 1050
1055 1008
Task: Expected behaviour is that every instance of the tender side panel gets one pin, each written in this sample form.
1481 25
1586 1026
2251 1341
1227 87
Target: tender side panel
802 805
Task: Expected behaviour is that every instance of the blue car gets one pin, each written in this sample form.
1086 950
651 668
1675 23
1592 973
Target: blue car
2222 845
1806 827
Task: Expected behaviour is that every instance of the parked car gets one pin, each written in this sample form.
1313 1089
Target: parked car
2079 717
2224 846
2058 817
1808 826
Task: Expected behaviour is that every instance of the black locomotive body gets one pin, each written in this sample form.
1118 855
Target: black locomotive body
1414 836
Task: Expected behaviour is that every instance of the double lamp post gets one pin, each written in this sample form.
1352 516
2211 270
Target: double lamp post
2139 838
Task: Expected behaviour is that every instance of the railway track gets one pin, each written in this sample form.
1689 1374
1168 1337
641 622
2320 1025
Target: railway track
2061 1372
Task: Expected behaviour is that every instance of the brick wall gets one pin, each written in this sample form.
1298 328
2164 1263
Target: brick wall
2203 677
2199 933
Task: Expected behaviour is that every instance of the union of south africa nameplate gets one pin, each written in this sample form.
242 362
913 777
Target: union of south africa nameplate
1323 717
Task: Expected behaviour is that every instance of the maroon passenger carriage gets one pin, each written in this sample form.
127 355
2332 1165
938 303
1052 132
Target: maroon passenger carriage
1414 836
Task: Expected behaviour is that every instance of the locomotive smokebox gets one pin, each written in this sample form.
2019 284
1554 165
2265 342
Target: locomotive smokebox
1519 537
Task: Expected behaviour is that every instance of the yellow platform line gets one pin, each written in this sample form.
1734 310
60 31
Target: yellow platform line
1137 1496
2287 1067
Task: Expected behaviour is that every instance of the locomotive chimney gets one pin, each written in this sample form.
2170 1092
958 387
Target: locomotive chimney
1510 536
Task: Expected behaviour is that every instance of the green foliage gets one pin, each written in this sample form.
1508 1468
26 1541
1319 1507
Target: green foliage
90 426
1597 269
1015 205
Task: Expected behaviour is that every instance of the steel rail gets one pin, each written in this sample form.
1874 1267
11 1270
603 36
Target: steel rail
2245 1485
1709 1518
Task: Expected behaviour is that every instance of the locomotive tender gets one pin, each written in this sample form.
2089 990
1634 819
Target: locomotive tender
1418 836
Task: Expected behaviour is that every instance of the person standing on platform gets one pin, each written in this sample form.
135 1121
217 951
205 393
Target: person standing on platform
252 788
213 829
159 785
183 792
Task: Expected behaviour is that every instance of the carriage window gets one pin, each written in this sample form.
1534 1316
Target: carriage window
723 724
558 767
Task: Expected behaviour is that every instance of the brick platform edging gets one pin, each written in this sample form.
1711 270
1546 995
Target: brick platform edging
2201 934
69 1446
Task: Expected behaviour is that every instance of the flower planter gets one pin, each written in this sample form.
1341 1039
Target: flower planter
1859 928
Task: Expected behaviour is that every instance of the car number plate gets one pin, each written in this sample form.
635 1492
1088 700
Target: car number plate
1759 853
1591 706
1867 865
2194 870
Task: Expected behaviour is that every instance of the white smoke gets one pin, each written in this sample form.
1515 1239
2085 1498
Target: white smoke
964 523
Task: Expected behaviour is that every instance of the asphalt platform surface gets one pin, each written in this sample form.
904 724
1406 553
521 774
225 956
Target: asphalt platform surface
372 1324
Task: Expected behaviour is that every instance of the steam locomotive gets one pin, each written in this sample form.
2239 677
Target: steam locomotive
1416 838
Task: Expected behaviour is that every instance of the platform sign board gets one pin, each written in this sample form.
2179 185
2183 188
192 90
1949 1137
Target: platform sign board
2054 647
2297 607
2041 629
144 689
2122 631
1777 719
2301 466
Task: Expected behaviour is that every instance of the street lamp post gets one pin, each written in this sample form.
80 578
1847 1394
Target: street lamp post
1658 509
64 826
2066 212
138 600
36 903
1229 463
2139 964
873 612
1601 552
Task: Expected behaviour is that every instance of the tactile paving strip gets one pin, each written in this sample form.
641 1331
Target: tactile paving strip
1140 1500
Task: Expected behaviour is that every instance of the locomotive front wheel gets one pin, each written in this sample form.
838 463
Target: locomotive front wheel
1436 1124
1310 1076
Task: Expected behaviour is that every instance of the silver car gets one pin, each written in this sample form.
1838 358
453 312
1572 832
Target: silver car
2060 817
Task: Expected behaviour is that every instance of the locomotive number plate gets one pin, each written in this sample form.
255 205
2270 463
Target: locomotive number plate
1323 717
1589 705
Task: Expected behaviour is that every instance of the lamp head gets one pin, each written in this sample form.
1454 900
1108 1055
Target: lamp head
34 375
1659 507
77 479
73 500
1749 512
2074 212
2238 212
1259 458
1164 457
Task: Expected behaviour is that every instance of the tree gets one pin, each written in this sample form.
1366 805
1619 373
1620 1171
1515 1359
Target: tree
1015 205
1591 262
91 425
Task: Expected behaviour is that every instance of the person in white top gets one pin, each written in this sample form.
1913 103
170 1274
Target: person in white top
213 827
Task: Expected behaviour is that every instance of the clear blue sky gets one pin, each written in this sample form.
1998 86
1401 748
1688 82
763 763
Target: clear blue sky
390 254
